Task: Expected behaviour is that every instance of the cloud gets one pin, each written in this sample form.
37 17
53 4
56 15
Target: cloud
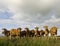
53 21
30 12
29 6
5 14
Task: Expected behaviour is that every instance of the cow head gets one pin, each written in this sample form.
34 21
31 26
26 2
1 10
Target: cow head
26 29
4 30
54 28
36 28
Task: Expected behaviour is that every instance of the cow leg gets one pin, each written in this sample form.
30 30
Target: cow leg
10 37
17 36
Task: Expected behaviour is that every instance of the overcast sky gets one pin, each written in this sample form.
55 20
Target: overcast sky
29 13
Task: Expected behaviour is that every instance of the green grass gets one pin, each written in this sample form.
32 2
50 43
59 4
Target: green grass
4 41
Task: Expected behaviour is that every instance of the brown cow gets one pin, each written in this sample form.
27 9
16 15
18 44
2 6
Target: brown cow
53 31
15 32
46 30
6 32
37 33
12 33
19 32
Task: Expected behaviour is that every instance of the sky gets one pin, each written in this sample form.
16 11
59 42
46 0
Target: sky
29 13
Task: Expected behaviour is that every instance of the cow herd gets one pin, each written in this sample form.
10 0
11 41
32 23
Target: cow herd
30 33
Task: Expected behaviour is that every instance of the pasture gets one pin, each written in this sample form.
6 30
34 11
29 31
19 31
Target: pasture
30 41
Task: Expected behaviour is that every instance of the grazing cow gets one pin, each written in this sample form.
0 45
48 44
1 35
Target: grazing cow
37 33
53 31
46 30
42 33
15 32
6 32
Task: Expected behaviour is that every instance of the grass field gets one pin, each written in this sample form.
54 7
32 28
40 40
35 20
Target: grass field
4 41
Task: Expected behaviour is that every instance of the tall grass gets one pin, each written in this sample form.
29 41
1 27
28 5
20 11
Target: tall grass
4 41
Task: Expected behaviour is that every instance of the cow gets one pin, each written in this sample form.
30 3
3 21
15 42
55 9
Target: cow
19 32
37 33
6 32
12 33
15 32
32 33
23 33
27 32
42 33
46 30
53 31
